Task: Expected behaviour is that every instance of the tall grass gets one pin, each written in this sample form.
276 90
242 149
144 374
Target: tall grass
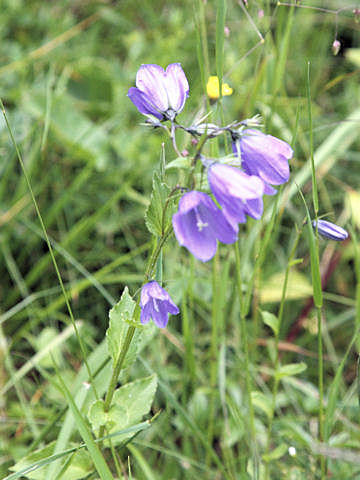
258 376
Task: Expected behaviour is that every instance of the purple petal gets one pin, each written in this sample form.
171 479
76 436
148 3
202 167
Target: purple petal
330 230
177 86
141 102
218 224
199 223
146 313
269 190
254 208
160 316
150 79
237 193
233 182
156 304
171 307
265 156
200 243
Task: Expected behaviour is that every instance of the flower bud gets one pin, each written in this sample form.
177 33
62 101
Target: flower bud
330 230
336 47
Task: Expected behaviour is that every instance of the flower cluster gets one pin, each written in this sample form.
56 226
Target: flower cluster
235 191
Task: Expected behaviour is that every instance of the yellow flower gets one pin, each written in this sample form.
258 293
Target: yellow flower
212 88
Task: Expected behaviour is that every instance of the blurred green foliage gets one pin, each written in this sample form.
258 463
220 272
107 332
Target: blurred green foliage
65 68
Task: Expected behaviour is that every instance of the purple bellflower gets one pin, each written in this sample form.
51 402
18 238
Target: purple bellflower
156 304
158 92
330 230
265 156
199 223
238 194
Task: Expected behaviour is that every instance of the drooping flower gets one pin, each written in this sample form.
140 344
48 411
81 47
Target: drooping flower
265 156
199 223
158 92
213 88
238 194
330 230
156 304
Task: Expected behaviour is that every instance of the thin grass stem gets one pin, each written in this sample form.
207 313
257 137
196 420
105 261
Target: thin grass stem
245 348
18 154
213 353
277 351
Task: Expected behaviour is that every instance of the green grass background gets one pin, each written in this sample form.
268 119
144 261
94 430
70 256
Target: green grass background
65 68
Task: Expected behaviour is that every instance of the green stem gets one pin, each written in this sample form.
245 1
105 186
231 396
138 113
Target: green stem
277 353
244 342
213 354
50 249
155 255
117 368
116 372
130 332
321 391
316 279
203 50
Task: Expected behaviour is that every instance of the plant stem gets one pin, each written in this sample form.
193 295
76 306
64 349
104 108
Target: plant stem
244 342
277 353
130 333
116 372
213 353
321 390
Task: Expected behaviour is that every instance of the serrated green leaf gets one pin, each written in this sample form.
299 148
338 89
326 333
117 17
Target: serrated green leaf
271 321
156 221
121 317
130 403
291 369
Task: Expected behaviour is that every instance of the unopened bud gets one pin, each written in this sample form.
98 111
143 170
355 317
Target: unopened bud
336 47
330 230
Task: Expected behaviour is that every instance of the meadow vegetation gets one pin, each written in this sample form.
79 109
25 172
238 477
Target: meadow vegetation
284 403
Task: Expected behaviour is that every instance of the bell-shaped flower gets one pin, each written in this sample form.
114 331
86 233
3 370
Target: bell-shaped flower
199 223
265 156
158 92
330 230
238 194
156 304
